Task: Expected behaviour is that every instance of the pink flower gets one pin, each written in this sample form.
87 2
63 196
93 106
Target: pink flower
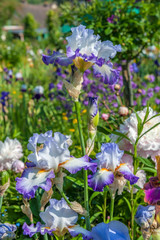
105 116
18 166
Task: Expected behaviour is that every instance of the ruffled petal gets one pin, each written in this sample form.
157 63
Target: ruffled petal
56 57
145 215
59 215
108 74
76 230
31 179
108 50
122 168
31 230
48 230
50 155
73 165
152 195
114 230
110 156
100 179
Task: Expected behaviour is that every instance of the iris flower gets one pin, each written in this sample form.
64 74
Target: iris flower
7 231
84 49
114 230
58 219
109 168
47 160
145 215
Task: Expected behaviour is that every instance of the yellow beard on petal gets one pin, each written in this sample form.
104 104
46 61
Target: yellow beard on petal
81 64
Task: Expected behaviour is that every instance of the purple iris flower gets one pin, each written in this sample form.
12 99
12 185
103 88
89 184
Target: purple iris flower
157 101
51 86
156 89
84 50
53 156
109 166
135 67
152 191
111 19
7 231
145 215
134 85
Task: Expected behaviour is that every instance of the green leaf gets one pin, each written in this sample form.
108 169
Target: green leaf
95 194
149 130
147 113
4 177
152 170
95 216
140 125
108 31
108 131
128 203
146 162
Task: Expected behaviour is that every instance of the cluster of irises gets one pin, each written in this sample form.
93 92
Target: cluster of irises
112 169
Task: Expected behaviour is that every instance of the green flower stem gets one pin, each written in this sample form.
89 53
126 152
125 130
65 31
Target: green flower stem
112 206
85 174
105 204
1 200
65 198
45 237
61 238
132 195
132 214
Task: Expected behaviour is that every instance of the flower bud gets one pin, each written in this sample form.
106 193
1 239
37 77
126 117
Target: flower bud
139 91
18 166
93 114
77 208
105 116
117 87
123 111
26 209
93 119
74 87
45 198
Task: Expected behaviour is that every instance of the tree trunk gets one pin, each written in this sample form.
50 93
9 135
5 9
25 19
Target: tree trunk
128 91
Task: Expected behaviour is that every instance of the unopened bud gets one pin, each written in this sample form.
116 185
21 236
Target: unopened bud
93 113
105 116
78 208
74 87
93 119
117 87
139 90
123 111
26 209
4 187
18 166
58 181
45 198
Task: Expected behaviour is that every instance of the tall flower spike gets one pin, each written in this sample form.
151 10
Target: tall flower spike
47 161
109 168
